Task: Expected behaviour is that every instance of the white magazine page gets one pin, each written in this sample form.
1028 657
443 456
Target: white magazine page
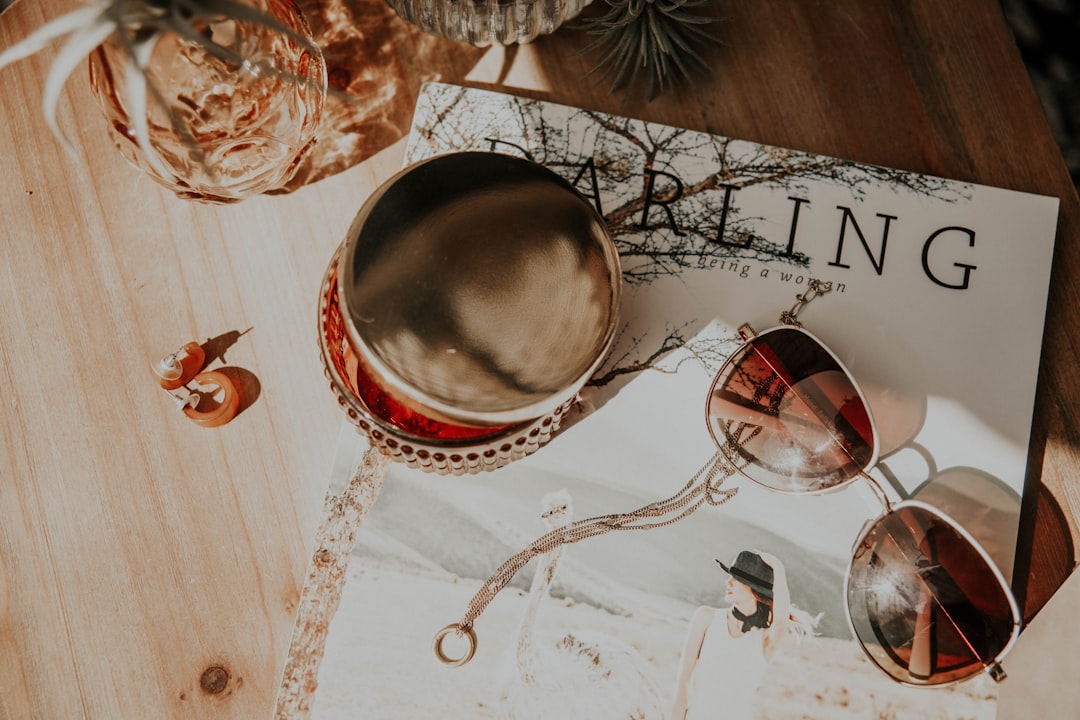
939 292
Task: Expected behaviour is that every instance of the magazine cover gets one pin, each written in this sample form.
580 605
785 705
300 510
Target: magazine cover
937 304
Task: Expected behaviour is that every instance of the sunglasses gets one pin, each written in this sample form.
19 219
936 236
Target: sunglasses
923 598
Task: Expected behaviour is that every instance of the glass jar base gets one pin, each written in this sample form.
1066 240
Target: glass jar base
488 22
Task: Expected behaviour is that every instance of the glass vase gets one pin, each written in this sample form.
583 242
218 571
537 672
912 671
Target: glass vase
486 22
231 108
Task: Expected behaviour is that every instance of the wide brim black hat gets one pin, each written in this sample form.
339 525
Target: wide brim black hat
752 571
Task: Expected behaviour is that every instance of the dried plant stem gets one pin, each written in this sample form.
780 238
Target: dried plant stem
321 595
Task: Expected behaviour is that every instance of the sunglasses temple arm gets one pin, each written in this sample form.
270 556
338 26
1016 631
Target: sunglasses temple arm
703 487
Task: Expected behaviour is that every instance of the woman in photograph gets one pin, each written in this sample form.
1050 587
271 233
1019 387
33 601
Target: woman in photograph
728 651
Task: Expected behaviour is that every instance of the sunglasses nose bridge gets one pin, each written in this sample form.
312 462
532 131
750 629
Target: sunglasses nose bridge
879 491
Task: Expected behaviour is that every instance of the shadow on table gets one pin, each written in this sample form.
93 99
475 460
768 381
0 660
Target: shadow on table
1045 543
376 64
246 382
216 347
1045 549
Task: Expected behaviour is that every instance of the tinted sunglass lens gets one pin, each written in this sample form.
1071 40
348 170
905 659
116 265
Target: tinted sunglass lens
791 413
925 604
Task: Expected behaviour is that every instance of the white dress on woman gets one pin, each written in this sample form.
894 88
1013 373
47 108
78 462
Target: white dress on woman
727 674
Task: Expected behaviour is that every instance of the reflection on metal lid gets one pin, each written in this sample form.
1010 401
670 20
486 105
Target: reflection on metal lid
480 288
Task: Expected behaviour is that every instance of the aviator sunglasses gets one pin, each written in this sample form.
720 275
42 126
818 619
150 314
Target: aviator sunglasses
923 598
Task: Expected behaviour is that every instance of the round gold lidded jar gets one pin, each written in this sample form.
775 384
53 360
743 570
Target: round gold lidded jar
473 297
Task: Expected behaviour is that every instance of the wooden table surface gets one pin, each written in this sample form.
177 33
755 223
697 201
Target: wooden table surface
150 568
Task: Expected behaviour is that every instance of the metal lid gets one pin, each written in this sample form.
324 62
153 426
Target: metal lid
479 288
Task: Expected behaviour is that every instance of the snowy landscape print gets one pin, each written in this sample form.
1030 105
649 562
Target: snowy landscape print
430 542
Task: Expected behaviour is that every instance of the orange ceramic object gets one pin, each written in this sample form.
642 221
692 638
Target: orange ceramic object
179 368
226 408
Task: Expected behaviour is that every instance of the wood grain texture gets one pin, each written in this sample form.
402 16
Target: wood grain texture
139 551
151 568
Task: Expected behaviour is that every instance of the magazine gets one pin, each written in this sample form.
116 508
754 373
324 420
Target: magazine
937 306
